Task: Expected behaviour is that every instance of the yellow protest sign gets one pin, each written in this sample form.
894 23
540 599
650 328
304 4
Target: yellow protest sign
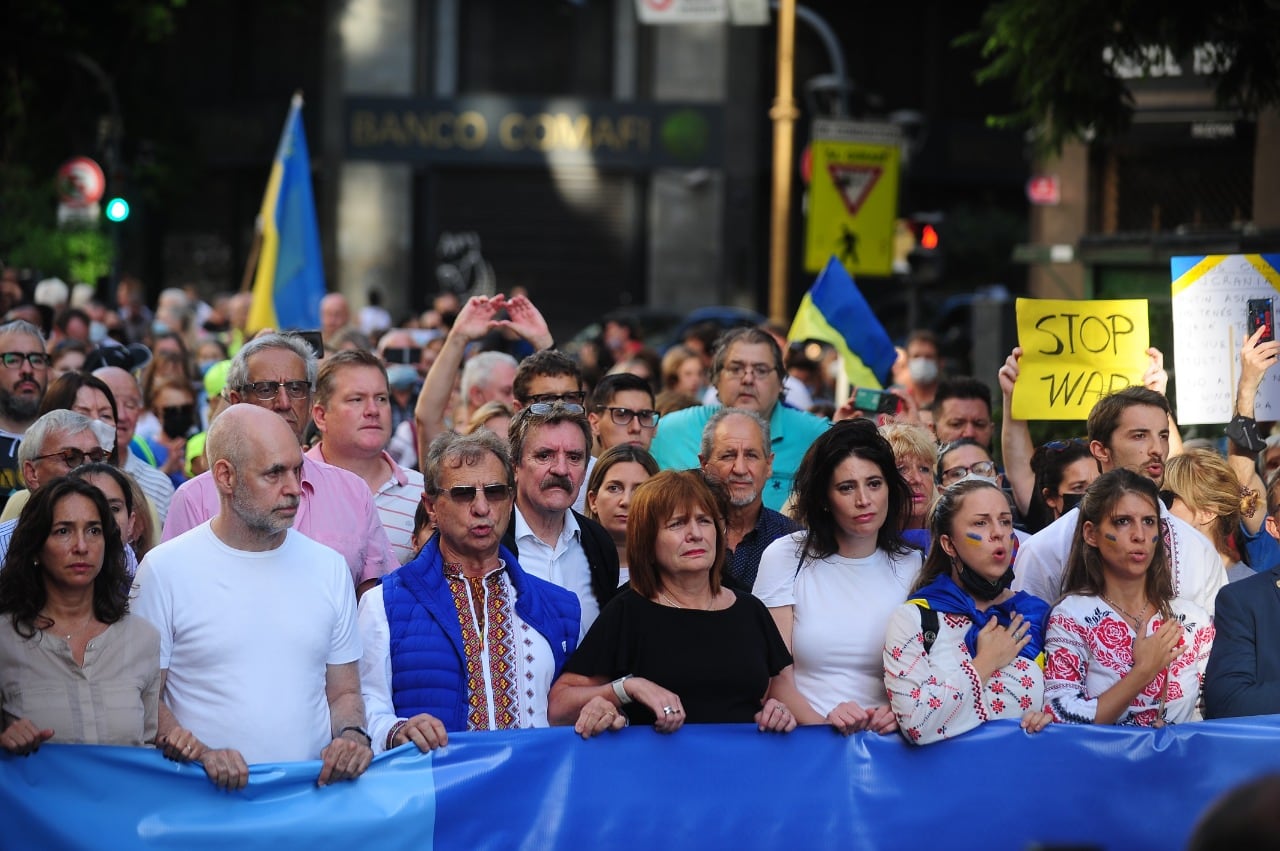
1076 352
853 203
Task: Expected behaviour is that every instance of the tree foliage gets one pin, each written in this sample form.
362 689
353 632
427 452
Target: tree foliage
1063 58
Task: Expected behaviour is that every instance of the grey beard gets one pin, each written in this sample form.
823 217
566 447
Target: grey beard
743 502
18 408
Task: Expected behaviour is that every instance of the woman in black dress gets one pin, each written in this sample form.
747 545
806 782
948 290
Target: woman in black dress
675 646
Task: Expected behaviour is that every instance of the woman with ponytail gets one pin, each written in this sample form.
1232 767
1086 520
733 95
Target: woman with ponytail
966 649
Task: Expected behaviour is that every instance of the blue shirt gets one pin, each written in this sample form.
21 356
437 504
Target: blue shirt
679 439
743 562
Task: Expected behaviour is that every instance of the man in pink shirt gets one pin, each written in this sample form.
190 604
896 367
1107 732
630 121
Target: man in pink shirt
278 372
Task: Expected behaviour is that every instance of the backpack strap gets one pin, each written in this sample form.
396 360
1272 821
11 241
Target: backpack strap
929 623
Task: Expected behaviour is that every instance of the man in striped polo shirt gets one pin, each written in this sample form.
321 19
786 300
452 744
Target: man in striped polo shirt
352 412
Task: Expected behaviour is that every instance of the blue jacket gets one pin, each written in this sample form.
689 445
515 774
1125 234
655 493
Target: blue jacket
1243 676
428 664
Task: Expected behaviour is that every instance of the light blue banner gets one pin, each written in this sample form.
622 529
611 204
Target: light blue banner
706 787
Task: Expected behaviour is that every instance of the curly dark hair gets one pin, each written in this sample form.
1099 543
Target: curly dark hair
22 581
848 439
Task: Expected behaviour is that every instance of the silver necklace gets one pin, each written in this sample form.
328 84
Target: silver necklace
1137 620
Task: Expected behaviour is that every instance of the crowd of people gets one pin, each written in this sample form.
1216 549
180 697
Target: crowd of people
242 549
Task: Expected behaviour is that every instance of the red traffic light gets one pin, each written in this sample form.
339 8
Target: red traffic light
929 237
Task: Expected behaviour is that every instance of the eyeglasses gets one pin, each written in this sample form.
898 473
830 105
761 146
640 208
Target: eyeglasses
466 494
543 409
265 391
623 416
759 370
569 399
74 458
978 468
38 360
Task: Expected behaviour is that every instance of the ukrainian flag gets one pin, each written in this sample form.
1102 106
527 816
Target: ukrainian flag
289 281
835 312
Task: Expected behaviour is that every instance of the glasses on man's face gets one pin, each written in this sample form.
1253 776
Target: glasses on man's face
74 458
569 399
38 360
466 494
978 468
623 416
265 391
543 409
759 371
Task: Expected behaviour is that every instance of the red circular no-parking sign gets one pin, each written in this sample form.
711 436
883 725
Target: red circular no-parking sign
80 182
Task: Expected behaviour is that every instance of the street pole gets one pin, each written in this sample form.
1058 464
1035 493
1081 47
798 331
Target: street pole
784 114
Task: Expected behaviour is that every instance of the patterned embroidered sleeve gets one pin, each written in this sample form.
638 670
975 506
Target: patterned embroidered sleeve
933 698
1067 658
1203 647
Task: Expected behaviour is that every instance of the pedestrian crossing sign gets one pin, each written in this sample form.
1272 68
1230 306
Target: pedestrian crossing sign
853 204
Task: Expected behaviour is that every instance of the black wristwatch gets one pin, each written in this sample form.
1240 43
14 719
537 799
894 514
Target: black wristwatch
1243 432
361 730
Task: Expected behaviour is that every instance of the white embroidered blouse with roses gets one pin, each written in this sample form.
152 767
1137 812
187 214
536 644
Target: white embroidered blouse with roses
938 695
1089 647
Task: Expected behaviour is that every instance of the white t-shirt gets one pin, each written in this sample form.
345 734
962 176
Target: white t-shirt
1198 573
246 638
841 610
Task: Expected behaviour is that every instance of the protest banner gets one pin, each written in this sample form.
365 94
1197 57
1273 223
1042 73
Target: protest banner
1211 297
1075 352
705 786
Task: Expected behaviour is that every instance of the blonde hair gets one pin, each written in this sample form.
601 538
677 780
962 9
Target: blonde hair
1203 480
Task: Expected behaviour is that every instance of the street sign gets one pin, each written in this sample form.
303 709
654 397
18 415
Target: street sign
80 182
853 204
681 11
1044 190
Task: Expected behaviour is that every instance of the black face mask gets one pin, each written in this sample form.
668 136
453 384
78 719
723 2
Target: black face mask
981 588
1070 501
178 420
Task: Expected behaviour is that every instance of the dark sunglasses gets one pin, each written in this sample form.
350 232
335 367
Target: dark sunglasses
74 458
1064 445
466 494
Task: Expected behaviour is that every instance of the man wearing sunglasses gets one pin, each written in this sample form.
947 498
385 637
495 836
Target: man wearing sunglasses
24 374
53 446
473 638
621 411
550 446
278 372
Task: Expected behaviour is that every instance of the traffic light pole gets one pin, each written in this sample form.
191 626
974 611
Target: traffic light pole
784 114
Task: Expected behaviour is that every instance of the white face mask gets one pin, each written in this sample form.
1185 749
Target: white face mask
923 370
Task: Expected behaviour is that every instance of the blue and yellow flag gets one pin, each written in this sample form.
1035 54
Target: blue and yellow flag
835 312
289 281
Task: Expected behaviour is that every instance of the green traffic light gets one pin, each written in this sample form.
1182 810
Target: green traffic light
117 209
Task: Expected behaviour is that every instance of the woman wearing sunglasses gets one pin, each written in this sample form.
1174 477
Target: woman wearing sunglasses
461 638
1063 469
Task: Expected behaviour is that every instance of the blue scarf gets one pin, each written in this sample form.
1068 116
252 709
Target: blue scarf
944 595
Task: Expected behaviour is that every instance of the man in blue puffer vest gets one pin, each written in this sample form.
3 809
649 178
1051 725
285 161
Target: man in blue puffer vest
461 638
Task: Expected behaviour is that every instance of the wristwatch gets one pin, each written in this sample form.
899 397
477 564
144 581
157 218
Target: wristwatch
353 729
621 690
